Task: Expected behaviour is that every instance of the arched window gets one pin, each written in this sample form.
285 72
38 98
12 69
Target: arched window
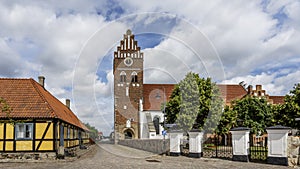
134 77
156 124
122 76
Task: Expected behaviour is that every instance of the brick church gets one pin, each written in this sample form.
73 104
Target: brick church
137 106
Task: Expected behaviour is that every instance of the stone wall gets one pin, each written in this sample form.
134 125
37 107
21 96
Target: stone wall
151 145
6 157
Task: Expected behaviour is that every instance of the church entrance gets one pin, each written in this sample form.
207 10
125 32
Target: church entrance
128 134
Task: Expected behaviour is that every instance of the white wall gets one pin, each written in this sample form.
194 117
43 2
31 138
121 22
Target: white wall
144 132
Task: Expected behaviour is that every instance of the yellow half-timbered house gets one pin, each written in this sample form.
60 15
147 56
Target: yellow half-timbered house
36 121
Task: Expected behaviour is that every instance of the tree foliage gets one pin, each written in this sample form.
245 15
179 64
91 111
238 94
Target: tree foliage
255 113
93 131
4 107
203 98
194 102
227 121
287 113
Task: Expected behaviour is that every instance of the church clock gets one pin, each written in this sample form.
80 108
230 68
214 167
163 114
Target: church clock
128 87
128 61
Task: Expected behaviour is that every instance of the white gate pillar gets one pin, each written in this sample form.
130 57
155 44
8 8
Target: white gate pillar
175 136
195 143
277 145
240 144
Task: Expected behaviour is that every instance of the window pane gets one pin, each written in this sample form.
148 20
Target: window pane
21 131
28 132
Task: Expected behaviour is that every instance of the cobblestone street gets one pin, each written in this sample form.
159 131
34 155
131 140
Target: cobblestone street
116 156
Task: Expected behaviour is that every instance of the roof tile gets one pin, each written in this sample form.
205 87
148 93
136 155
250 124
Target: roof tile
28 99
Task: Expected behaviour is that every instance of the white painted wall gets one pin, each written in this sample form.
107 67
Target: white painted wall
144 132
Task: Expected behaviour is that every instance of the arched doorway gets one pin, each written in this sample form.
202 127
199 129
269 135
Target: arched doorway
128 134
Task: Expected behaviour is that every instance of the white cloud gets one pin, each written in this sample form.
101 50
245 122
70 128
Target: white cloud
257 42
276 83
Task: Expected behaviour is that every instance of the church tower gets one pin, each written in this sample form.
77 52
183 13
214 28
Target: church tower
128 87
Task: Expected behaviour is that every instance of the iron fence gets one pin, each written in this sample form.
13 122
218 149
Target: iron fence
258 148
218 146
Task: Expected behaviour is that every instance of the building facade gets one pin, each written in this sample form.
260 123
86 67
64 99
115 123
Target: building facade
36 122
138 107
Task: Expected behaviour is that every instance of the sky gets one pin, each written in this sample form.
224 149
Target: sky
71 44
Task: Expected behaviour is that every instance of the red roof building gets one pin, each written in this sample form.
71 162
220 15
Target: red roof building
41 123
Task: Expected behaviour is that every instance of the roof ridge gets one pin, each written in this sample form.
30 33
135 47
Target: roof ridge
11 78
34 83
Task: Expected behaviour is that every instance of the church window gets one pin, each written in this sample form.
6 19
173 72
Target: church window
122 76
134 77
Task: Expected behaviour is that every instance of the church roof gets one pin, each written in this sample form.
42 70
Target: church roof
277 99
28 99
153 94
230 92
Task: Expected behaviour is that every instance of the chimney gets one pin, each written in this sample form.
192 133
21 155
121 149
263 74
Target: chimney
42 81
68 103
250 89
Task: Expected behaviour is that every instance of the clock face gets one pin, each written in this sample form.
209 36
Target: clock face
128 61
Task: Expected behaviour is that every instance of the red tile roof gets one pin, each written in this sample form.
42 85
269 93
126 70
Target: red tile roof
230 92
28 99
277 99
154 95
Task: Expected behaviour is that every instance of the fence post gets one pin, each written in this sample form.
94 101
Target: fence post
195 143
175 136
277 145
240 144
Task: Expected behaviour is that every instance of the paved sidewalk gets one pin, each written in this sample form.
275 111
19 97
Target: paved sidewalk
124 151
150 160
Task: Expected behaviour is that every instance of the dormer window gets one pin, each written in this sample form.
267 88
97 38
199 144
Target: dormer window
134 77
122 77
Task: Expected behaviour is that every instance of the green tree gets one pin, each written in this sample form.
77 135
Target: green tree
227 121
287 113
255 113
4 107
194 102
93 131
189 105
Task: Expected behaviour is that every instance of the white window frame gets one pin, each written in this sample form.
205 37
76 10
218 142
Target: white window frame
24 131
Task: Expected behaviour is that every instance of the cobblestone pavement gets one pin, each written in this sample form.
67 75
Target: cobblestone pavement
116 156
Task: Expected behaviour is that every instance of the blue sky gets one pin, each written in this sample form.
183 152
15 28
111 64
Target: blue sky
71 43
